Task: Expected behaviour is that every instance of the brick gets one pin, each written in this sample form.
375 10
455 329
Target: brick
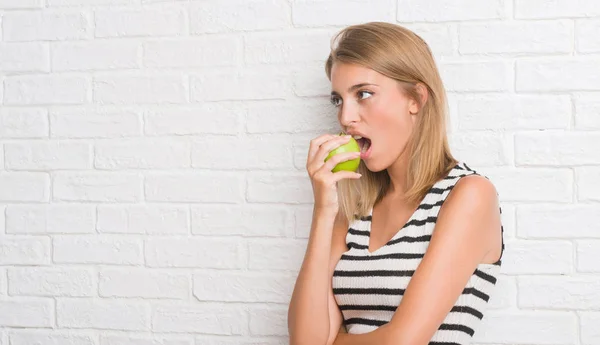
142 154
95 123
257 152
27 312
103 314
477 76
192 187
518 37
242 85
139 89
588 188
188 252
548 75
20 4
246 220
51 337
3 288
587 108
556 221
538 257
327 13
97 187
50 219
590 333
528 327
24 57
24 186
143 219
448 10
47 25
23 123
45 90
505 293
132 339
51 282
204 52
47 155
239 15
559 292
440 37
271 254
91 2
588 255
143 283
205 119
231 340
310 81
95 249
556 149
168 20
528 184
481 149
276 188
514 112
586 32
25 251
243 286
285 48
530 9
200 318
268 321
95 55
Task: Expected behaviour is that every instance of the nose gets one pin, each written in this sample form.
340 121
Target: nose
348 115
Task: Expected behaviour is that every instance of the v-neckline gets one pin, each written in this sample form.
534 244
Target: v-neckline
407 221
395 234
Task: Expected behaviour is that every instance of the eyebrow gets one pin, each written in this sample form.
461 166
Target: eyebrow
353 87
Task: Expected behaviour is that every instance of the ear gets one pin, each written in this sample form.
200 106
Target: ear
421 91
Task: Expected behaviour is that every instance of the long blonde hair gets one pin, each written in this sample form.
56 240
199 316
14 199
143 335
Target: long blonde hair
400 54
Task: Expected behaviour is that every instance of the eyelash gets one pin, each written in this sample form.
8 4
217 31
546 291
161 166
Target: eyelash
333 100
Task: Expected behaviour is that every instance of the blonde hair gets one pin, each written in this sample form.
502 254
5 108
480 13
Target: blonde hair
400 54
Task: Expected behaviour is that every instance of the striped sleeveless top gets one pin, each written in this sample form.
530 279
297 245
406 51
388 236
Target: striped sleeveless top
368 287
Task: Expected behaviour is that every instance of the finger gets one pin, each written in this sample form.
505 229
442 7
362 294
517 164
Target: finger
316 143
338 158
329 146
344 174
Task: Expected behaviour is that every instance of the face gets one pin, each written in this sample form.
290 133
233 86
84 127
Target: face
381 111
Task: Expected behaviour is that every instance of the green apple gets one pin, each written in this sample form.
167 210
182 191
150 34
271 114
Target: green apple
351 165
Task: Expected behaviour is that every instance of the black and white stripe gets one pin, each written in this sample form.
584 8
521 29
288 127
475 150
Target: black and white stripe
368 287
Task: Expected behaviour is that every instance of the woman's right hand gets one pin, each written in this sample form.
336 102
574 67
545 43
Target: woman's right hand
324 181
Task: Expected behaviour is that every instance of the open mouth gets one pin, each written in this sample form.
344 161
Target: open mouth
365 144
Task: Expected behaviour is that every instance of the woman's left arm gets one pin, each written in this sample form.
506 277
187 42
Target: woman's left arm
465 232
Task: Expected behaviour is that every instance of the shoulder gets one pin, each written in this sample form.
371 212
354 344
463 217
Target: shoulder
473 189
472 206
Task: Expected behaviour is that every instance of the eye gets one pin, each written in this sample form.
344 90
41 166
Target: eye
336 101
367 92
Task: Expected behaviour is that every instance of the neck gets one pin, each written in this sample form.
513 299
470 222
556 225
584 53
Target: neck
398 172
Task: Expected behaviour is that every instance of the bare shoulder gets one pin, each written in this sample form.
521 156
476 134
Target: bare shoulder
474 188
472 209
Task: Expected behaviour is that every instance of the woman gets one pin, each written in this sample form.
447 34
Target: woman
413 241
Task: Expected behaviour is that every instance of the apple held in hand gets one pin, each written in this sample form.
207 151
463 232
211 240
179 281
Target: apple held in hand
351 165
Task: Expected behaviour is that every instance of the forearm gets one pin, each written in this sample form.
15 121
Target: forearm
381 336
308 314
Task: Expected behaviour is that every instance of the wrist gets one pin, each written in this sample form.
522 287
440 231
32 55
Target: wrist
324 213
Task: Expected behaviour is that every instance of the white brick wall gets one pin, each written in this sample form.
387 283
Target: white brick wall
152 161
